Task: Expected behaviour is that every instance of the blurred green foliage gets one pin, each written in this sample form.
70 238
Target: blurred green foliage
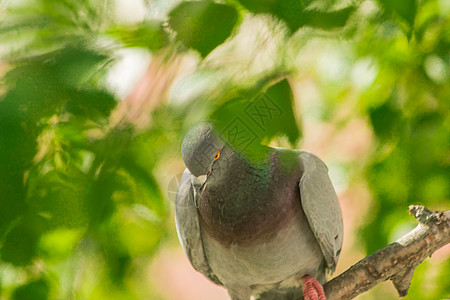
203 25
81 203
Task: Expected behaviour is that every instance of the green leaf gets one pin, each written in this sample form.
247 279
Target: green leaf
41 87
117 261
19 247
259 6
295 13
136 229
144 179
24 24
58 195
203 25
385 120
329 20
17 149
35 290
148 35
99 201
92 103
138 162
58 244
34 93
406 9
74 66
290 11
247 123
284 123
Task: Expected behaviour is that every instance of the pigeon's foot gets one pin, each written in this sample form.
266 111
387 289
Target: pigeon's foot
312 289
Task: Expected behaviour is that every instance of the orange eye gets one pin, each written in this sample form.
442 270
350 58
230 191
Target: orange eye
216 157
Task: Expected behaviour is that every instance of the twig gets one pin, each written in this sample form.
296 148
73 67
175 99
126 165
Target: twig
397 261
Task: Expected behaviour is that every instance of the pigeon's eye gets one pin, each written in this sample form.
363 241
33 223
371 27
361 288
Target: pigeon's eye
216 157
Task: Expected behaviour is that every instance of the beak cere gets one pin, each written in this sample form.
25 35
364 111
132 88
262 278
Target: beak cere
198 183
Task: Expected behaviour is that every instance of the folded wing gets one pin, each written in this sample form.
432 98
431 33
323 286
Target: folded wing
188 228
321 207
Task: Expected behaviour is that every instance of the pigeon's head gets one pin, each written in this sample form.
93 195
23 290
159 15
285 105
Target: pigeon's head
201 148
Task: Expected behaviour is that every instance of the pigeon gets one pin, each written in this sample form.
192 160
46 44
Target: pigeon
268 227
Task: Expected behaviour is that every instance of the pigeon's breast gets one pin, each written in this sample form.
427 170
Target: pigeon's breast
278 259
251 207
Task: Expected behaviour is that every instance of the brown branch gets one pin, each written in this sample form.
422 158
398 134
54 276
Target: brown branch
397 261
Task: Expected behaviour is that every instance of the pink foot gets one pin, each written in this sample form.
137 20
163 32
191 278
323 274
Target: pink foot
312 289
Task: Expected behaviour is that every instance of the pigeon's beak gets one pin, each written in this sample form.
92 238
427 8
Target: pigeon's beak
198 183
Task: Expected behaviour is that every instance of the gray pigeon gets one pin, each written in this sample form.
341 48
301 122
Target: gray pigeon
268 228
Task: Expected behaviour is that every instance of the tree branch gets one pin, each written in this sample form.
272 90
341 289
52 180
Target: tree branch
397 261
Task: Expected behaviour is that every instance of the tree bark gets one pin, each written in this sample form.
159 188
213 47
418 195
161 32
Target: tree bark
397 261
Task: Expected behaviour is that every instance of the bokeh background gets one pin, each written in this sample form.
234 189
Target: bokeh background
95 97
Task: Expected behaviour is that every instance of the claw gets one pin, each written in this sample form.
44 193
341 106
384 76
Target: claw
312 289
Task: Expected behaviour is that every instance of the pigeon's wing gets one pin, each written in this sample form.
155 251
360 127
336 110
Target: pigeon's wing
321 207
188 227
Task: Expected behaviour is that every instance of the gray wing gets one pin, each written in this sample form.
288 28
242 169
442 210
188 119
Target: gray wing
321 207
188 228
